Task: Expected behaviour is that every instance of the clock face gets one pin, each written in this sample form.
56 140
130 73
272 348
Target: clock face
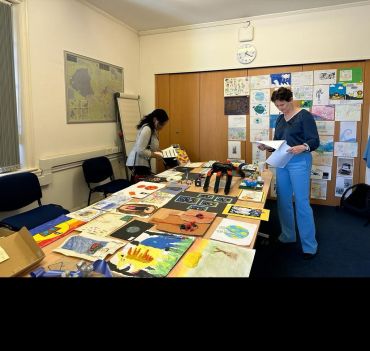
246 53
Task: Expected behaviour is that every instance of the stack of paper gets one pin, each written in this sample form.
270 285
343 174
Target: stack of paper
280 157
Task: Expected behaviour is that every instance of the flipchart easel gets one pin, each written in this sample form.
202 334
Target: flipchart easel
128 116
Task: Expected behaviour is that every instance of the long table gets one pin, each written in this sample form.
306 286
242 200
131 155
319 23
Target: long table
51 258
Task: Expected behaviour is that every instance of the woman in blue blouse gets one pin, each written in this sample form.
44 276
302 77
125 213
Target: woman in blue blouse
298 128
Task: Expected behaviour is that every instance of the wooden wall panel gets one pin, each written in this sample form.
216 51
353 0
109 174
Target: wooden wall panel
162 100
365 122
213 122
184 112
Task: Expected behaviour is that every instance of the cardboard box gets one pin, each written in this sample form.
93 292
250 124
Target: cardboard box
22 250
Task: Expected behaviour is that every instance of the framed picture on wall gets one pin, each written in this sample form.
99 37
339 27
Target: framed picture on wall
90 86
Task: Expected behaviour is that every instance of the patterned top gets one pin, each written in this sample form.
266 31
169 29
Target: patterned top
146 142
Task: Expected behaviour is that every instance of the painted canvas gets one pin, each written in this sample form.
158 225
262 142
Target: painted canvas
150 255
89 247
235 232
209 258
55 229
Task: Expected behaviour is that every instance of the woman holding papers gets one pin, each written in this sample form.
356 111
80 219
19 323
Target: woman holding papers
147 143
298 128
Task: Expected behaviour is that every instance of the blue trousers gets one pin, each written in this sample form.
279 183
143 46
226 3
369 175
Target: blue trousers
294 178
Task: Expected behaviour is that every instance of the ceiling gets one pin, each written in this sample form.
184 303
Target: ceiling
143 15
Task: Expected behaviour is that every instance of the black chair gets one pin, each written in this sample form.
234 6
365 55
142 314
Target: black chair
19 190
356 199
98 169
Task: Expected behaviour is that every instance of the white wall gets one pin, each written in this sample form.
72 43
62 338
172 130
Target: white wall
338 34
55 26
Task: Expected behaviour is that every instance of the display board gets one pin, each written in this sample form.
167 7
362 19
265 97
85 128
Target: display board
226 132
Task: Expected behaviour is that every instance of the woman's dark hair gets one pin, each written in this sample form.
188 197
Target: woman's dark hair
282 94
159 114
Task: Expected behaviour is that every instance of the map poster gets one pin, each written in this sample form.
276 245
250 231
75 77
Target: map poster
90 86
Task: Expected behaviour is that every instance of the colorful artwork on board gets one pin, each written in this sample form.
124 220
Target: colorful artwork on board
236 105
280 80
247 212
210 258
150 255
235 232
55 229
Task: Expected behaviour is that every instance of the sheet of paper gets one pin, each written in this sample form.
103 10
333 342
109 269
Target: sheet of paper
341 185
235 232
3 255
105 224
302 78
260 96
234 149
237 127
194 164
280 157
260 82
271 143
170 152
319 189
237 86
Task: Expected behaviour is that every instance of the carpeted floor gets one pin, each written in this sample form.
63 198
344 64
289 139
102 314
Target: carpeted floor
344 248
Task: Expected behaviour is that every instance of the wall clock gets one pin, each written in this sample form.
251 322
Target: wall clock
246 53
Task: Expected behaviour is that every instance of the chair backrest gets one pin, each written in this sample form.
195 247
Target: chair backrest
19 190
97 169
358 200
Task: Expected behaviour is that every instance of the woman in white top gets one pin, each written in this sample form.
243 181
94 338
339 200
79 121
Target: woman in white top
147 143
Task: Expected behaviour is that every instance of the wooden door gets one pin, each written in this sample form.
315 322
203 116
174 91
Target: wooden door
162 100
184 113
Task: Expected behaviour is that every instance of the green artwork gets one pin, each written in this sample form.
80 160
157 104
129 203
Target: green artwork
90 86
350 75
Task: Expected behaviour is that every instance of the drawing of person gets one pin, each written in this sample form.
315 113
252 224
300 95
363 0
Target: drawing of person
318 93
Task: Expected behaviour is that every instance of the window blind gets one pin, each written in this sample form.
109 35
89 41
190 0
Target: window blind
9 137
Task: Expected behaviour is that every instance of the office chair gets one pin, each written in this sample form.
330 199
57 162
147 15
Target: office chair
19 190
98 169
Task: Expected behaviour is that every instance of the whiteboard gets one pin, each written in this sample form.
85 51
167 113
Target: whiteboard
129 113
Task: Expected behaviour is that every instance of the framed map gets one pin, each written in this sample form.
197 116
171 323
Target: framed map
90 86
